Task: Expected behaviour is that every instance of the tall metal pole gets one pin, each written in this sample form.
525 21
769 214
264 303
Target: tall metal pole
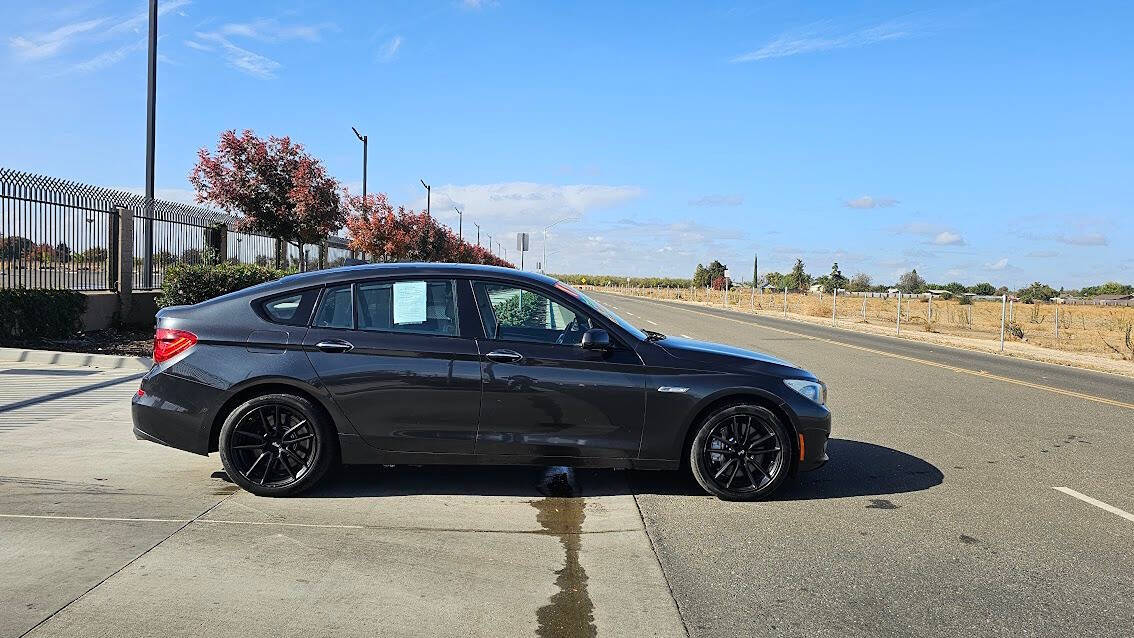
460 224
477 233
428 194
151 125
363 138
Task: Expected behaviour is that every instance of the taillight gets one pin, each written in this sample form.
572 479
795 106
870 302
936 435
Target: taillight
170 343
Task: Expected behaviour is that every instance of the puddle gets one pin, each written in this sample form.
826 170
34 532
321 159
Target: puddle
570 612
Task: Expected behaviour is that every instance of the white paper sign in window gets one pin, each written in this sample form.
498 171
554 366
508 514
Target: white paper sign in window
409 302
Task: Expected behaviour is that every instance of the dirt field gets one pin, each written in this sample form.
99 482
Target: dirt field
1090 336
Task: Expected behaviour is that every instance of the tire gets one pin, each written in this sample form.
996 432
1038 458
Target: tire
741 453
277 445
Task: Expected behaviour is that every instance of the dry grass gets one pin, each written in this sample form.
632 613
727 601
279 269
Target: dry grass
1100 331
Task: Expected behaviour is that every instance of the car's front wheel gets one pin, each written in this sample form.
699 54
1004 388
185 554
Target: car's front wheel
741 453
277 444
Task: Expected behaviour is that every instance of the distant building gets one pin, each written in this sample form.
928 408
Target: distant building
1112 298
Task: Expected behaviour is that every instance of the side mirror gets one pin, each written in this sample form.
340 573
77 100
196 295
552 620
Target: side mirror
596 339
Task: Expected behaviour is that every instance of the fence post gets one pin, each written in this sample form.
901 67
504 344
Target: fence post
929 313
1003 312
785 302
899 312
1011 310
1056 321
864 307
112 247
125 245
834 304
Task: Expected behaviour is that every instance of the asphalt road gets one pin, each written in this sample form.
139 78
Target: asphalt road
937 515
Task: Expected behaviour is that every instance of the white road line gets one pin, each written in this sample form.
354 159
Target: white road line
1097 503
651 322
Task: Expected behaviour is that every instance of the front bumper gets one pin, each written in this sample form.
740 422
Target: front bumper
814 428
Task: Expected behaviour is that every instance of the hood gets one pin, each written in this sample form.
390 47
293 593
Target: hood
693 350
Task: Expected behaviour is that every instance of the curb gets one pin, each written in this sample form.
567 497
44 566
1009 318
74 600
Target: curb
83 359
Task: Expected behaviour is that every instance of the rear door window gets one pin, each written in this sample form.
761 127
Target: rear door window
420 306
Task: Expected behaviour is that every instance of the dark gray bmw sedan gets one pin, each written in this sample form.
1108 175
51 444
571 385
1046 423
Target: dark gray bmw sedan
462 364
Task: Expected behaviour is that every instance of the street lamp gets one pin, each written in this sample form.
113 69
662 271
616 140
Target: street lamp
151 119
362 138
427 196
543 265
460 223
477 234
490 244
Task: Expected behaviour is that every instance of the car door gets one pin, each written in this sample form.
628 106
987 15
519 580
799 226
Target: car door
394 357
543 394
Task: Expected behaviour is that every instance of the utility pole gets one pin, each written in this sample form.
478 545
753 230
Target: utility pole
151 123
428 193
477 233
460 224
755 262
363 139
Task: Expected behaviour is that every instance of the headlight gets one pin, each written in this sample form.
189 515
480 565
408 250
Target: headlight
813 390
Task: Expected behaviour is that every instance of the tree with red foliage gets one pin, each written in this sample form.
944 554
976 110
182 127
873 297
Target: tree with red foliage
391 235
275 185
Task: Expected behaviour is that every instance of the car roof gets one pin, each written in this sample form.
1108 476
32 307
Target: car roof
351 273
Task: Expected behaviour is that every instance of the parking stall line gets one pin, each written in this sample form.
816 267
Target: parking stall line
1097 503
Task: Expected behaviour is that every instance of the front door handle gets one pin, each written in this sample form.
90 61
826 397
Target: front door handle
335 345
505 356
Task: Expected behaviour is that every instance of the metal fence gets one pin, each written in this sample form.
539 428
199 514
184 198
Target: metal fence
56 233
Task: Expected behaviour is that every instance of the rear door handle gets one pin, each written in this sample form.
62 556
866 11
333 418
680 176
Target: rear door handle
335 345
505 356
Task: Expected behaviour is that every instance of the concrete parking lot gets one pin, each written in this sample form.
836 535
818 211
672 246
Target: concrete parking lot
937 515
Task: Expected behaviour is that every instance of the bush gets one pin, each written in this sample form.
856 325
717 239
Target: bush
187 284
40 313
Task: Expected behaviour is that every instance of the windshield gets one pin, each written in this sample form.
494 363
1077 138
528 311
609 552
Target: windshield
601 309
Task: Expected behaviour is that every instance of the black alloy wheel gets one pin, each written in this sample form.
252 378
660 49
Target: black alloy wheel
276 444
741 452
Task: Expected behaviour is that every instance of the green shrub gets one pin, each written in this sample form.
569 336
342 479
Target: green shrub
40 313
186 284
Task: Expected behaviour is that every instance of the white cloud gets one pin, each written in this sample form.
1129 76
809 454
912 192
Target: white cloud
717 200
269 30
867 201
109 58
533 203
947 238
389 50
1083 239
823 37
49 44
240 58
999 264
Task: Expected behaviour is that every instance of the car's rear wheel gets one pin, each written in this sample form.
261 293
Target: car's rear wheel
741 453
277 444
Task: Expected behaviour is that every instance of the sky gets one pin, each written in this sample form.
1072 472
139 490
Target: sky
971 141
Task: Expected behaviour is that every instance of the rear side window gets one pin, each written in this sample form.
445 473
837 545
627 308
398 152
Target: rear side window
417 306
336 309
291 309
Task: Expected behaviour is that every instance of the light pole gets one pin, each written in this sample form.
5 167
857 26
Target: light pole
362 138
490 244
477 234
427 196
543 265
151 115
460 223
